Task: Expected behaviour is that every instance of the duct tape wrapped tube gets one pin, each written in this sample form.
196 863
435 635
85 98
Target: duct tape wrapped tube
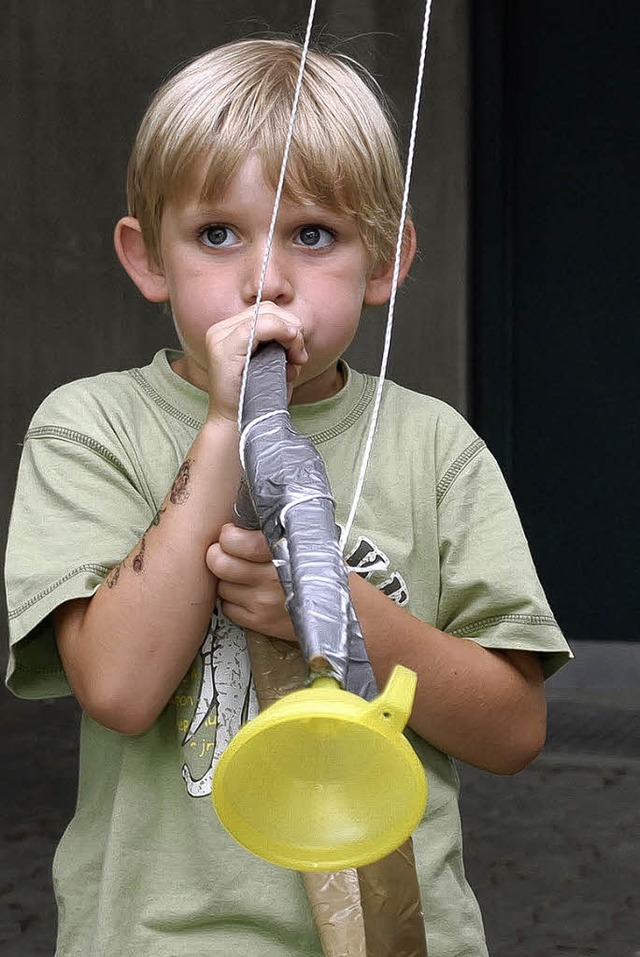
373 910
290 499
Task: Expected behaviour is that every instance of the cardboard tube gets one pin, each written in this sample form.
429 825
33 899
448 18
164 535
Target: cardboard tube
337 911
391 906
374 911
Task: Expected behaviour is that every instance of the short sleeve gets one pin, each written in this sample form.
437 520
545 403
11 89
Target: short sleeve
77 513
490 591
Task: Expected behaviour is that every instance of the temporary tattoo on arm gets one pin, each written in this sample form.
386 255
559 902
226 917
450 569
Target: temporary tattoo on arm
112 578
138 561
180 488
156 518
179 494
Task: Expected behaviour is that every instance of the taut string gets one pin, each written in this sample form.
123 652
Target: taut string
398 253
276 208
395 281
345 904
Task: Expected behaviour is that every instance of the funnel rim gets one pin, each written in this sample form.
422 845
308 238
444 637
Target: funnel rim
324 857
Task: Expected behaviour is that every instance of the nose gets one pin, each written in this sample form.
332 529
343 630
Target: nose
277 286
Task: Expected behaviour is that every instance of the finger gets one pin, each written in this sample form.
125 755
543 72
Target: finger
236 614
290 335
223 566
260 606
237 570
247 618
233 593
249 544
275 323
217 560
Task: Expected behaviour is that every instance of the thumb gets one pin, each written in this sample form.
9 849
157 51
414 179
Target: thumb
244 543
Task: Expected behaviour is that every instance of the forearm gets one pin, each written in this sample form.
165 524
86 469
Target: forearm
482 706
126 650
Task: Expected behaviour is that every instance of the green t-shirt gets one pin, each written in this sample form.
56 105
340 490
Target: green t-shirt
145 868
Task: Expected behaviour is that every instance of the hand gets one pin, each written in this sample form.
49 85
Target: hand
226 346
248 584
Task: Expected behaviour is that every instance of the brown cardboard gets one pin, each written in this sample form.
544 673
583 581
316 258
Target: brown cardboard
374 911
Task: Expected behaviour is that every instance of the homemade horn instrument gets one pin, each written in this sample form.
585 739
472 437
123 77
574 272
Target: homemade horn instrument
323 779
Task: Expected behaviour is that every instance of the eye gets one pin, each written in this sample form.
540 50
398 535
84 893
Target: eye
314 237
218 235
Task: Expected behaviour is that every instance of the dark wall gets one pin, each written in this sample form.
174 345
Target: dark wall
555 366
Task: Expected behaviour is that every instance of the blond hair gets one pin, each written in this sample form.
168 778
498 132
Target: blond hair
237 98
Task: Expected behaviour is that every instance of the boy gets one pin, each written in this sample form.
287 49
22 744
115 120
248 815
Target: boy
134 475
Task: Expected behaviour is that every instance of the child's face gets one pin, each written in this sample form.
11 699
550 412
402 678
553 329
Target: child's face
212 257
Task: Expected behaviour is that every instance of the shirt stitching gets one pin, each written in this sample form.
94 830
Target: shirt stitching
71 435
368 391
475 626
457 467
102 570
162 403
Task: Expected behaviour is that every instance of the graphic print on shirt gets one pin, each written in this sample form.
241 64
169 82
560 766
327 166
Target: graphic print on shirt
366 559
224 699
217 696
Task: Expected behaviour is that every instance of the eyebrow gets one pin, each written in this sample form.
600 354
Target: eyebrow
211 209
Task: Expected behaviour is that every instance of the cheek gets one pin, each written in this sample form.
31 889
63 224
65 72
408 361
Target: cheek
338 325
191 323
194 304
344 285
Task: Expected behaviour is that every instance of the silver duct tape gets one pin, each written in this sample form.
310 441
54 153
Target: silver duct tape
290 496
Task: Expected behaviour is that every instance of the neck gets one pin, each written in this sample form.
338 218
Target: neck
323 386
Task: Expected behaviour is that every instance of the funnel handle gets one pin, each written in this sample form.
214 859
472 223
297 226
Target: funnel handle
393 705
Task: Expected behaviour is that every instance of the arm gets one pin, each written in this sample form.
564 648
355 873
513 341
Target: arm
127 648
484 707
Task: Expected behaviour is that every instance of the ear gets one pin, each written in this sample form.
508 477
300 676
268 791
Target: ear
378 287
137 261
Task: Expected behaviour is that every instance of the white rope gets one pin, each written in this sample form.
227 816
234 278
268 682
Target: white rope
244 434
397 262
395 281
276 207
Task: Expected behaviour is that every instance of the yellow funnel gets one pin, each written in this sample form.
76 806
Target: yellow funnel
323 780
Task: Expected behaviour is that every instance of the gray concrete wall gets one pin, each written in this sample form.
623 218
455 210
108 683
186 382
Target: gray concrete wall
75 78
429 350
